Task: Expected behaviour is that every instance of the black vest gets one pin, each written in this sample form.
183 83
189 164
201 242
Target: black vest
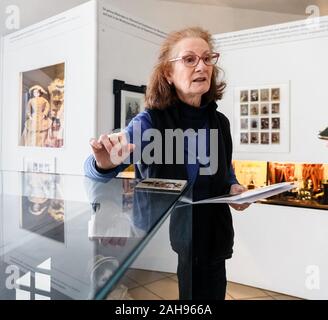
169 118
211 224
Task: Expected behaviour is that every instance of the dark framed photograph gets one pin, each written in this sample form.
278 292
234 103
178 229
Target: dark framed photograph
129 101
254 95
264 123
254 124
264 108
275 123
255 137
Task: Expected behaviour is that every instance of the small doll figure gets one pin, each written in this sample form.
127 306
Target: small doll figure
37 123
56 134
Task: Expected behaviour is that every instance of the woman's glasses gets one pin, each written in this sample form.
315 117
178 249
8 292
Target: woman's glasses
192 60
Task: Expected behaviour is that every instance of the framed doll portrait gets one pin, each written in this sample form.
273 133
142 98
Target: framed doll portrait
42 116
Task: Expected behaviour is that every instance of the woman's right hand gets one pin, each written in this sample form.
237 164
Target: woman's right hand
111 150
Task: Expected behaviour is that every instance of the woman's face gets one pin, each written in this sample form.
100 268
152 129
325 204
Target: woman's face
190 82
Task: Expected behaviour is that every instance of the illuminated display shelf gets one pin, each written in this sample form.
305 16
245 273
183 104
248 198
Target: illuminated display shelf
311 180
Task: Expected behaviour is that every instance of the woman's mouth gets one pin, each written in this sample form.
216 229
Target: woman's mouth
200 79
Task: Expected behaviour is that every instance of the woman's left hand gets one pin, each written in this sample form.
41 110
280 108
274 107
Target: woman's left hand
238 189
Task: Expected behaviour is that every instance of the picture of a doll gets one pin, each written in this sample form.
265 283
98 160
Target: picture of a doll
37 122
56 132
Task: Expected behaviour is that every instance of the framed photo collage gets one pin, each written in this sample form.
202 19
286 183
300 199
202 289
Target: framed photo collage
260 116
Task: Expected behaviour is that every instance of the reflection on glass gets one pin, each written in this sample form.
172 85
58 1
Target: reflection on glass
102 269
42 211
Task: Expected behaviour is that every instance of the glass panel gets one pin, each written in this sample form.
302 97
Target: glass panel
70 237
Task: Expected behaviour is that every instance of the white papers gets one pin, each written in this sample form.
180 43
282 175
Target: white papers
112 224
251 195
107 226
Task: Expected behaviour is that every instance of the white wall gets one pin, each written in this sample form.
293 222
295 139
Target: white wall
162 14
37 47
278 248
298 59
165 14
281 249
125 53
172 15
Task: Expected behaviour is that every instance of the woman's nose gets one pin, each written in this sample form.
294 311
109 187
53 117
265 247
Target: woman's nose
201 66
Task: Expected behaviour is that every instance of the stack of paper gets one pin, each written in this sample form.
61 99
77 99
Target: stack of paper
251 195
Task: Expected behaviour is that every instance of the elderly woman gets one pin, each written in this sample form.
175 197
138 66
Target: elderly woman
181 94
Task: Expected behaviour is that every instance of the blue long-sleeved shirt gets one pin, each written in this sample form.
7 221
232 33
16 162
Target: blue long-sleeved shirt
191 117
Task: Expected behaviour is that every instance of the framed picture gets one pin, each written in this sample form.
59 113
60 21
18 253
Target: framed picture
42 115
263 125
129 101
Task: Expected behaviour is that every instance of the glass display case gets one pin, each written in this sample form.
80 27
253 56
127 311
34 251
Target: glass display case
311 180
71 237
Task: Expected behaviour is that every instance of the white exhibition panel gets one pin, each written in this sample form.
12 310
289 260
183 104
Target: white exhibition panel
295 58
68 38
127 50
97 43
276 246
282 249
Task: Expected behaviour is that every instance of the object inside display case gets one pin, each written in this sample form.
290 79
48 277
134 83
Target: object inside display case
251 174
42 113
311 181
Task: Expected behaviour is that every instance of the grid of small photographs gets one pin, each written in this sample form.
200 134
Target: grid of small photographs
260 116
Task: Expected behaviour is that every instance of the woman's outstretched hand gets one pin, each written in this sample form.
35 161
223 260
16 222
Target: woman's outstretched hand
111 150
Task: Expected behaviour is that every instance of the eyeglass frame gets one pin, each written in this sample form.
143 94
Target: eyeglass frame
199 58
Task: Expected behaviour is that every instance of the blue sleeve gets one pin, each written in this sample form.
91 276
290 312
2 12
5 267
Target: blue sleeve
91 170
134 132
232 176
